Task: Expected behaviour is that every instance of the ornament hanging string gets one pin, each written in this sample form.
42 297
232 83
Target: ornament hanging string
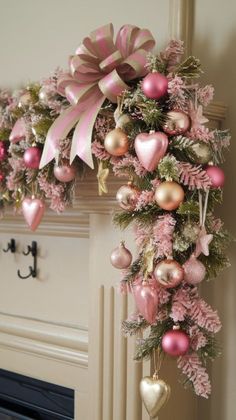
100 70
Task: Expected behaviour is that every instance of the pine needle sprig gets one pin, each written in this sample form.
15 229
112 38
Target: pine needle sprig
129 327
168 168
190 68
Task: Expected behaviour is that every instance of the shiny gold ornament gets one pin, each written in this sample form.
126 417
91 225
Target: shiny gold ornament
102 175
200 153
127 196
116 142
169 195
154 393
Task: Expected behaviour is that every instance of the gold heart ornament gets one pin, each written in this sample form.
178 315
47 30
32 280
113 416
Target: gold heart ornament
154 393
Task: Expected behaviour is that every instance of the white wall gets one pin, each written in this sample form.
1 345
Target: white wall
214 43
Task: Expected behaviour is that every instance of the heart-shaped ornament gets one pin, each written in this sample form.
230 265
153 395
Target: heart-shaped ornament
154 393
33 211
150 148
146 300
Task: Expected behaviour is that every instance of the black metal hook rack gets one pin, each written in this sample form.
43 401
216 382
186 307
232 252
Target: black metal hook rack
11 246
33 250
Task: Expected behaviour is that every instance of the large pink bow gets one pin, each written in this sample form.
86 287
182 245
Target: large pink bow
98 71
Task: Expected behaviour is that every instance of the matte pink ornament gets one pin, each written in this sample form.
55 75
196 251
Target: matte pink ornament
175 343
121 257
155 85
32 157
169 273
150 148
194 270
33 211
19 131
64 173
146 300
3 151
177 123
216 176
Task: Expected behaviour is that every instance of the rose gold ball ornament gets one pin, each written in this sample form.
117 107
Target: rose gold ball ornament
194 270
64 173
121 257
127 196
169 273
32 157
169 195
177 123
116 142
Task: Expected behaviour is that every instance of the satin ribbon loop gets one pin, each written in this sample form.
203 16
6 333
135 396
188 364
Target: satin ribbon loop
99 70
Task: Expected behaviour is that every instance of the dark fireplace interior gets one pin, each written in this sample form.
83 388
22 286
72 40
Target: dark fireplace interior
24 398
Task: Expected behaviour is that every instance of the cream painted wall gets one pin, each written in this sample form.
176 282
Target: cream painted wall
37 36
214 43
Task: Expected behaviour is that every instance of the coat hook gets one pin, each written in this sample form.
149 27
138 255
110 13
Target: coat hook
32 270
11 246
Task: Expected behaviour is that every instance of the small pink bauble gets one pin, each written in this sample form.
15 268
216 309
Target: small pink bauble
175 343
33 211
146 300
155 85
169 273
216 176
2 177
32 157
121 257
150 148
3 151
194 270
177 123
64 173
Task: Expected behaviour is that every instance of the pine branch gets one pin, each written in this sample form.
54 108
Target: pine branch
189 207
190 68
193 176
168 168
146 216
133 327
133 270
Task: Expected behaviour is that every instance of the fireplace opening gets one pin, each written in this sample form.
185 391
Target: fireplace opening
24 398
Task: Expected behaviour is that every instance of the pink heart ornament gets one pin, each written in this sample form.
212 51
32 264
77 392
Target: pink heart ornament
150 148
19 131
147 301
33 211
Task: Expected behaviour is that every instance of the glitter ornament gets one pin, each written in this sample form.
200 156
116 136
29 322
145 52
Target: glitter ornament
116 142
175 343
194 270
169 195
155 85
200 152
169 273
127 196
177 123
191 232
121 257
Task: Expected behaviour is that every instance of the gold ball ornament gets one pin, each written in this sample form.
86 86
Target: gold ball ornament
116 142
169 195
127 196
154 393
200 152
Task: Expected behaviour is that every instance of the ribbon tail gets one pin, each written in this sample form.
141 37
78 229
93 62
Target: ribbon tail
82 138
58 131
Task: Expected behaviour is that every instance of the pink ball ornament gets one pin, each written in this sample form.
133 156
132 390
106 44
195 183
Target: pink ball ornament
175 343
3 151
194 271
64 173
127 196
150 148
146 300
177 123
216 176
121 257
155 85
169 273
32 157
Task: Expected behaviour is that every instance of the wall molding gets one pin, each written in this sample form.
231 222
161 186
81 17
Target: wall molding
44 339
